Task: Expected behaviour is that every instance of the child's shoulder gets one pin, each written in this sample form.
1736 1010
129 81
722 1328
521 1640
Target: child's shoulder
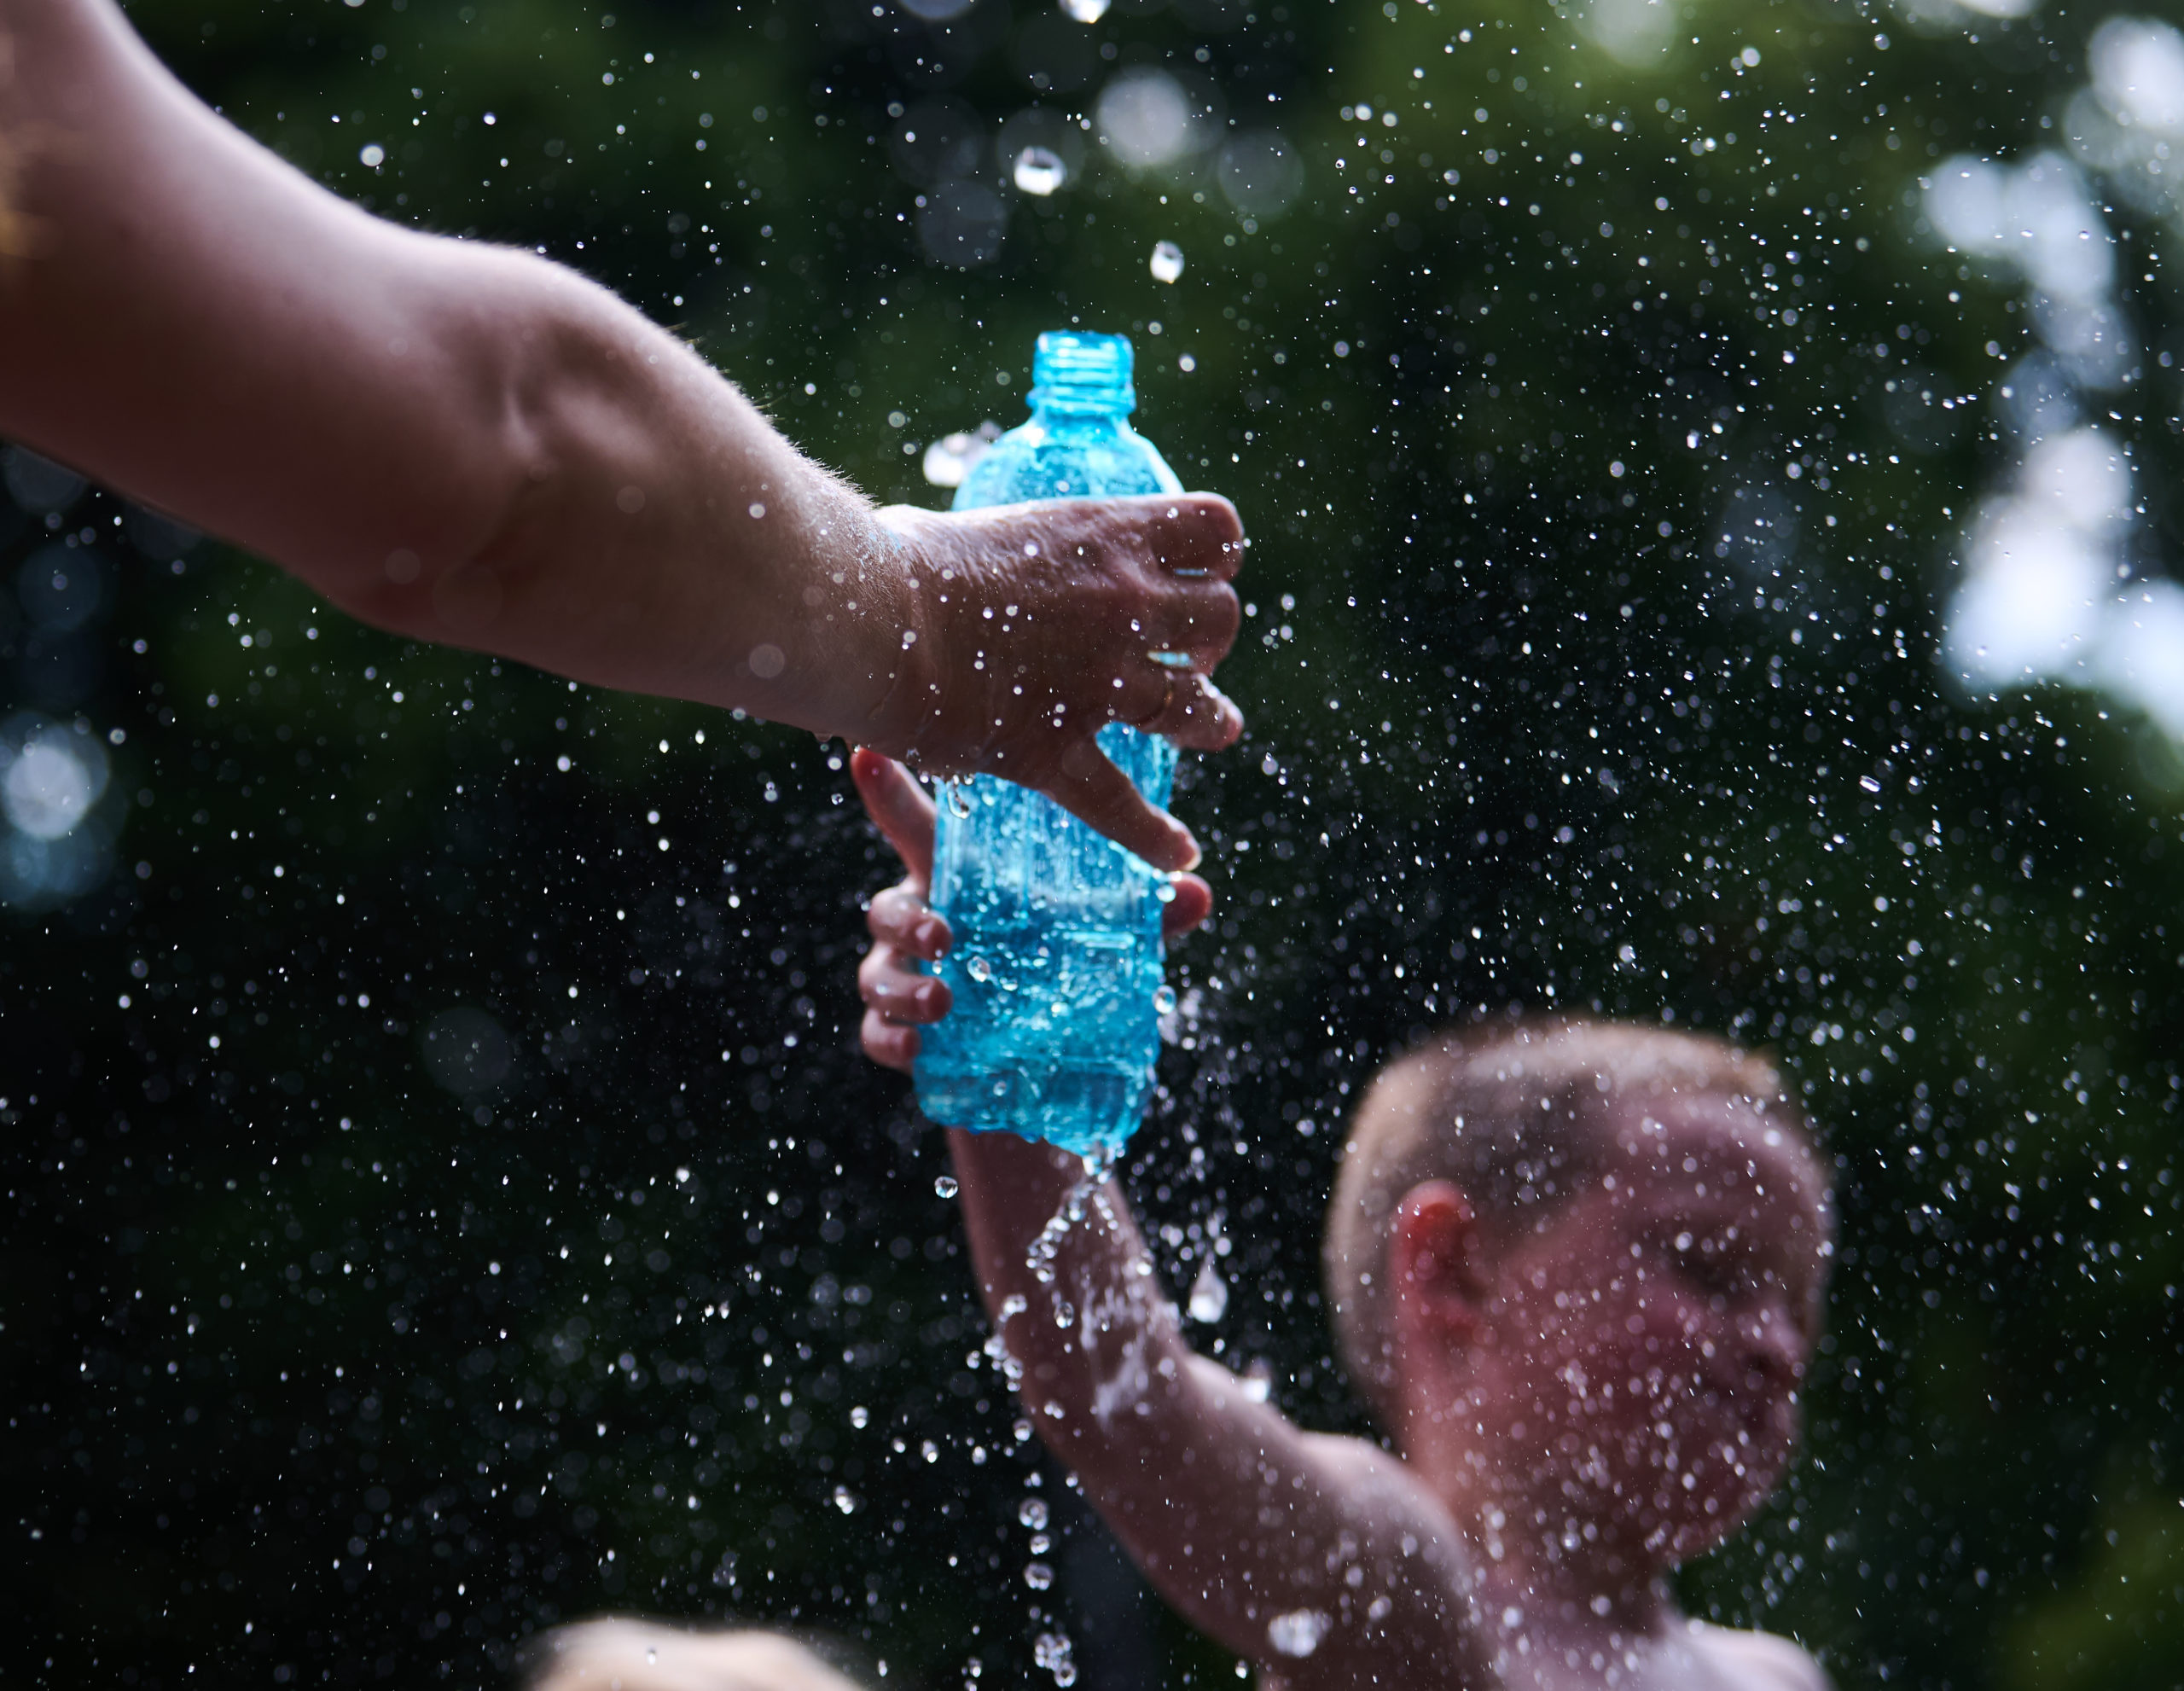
1757 1659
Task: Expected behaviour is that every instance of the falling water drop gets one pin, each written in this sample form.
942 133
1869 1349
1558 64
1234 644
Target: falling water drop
1209 1294
1167 261
1039 171
1054 1652
1085 11
978 970
1032 1513
1163 1000
1297 1633
945 1185
1038 1575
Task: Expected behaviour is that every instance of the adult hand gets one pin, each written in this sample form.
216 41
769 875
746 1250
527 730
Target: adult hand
898 999
466 444
1034 626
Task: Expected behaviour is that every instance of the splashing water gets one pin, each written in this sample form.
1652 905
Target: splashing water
1040 1259
1085 11
1039 171
1052 1651
1297 1633
1167 262
1209 1294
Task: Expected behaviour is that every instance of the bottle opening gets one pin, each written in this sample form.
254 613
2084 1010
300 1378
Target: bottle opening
1076 372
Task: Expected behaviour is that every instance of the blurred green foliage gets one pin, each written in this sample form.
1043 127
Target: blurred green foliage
445 1195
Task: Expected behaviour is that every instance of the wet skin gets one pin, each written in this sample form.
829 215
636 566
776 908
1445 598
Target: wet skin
1580 1402
466 444
1615 1389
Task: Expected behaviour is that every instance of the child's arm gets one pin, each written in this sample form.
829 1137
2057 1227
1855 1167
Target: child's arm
1281 1544
1320 1557
467 443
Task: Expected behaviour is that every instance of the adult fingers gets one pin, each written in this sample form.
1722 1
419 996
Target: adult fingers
1087 785
1192 905
898 808
1190 534
1198 618
889 1043
1184 704
900 917
897 991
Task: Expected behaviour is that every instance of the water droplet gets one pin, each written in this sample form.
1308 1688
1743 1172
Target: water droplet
844 1501
1209 1296
956 791
1167 262
1297 1633
1053 1652
1163 1000
1038 1575
1032 1513
1040 171
978 970
945 1185
948 459
1085 11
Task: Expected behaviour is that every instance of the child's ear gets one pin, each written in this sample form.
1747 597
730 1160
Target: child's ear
1437 1265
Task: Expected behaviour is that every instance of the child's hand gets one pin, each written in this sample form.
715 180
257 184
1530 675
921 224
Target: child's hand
898 999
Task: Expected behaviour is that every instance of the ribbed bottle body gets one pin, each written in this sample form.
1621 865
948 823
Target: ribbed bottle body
1057 961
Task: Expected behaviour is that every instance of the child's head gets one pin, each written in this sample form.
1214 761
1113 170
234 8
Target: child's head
1578 1268
616 1653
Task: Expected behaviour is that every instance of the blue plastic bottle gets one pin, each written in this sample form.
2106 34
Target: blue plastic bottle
1056 963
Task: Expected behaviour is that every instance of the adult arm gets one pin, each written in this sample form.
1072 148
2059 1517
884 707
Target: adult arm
470 444
1321 1558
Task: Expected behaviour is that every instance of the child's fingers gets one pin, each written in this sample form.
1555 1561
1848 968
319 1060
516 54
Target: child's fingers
1192 905
888 984
897 808
900 917
889 1043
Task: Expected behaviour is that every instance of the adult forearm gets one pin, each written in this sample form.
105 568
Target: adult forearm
460 442
652 531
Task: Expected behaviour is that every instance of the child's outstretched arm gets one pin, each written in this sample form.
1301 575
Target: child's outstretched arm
469 444
1320 1557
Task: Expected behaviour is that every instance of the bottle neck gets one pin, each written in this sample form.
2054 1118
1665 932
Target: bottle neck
1076 404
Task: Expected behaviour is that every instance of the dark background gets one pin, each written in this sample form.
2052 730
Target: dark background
443 1195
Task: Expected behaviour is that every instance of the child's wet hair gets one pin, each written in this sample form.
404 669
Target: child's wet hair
1519 1114
619 1653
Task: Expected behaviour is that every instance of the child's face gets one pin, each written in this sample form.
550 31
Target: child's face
1636 1370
